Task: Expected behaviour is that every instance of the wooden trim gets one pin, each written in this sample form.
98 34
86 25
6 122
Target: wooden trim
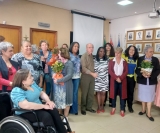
19 28
42 30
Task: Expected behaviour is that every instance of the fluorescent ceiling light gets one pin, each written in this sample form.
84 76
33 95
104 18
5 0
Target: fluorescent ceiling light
125 2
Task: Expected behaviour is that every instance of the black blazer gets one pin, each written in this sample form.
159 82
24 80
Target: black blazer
154 74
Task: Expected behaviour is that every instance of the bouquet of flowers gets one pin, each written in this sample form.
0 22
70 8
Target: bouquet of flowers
146 67
57 67
55 52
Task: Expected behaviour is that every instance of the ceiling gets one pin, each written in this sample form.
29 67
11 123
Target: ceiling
107 8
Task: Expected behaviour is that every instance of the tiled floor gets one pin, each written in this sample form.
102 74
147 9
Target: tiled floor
105 123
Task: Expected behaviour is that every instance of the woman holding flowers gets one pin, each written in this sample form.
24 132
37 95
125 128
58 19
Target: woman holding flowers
147 71
66 79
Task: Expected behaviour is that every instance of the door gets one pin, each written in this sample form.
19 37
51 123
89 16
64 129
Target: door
12 34
36 35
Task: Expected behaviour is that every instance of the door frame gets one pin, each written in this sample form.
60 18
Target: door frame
19 28
42 30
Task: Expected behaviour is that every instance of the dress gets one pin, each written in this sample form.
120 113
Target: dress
146 93
102 81
157 98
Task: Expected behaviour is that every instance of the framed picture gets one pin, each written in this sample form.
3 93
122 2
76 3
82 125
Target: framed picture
148 34
147 44
129 44
157 47
130 35
139 47
139 35
157 34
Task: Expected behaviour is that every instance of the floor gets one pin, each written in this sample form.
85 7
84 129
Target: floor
105 123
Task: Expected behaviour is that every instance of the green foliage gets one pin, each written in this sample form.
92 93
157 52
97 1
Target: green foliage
146 64
57 67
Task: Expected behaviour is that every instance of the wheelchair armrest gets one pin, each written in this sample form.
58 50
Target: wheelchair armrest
18 109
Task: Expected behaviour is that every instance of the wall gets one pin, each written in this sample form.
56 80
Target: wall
27 14
122 25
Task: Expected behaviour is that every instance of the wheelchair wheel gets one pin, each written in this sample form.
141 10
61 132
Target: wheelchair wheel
15 124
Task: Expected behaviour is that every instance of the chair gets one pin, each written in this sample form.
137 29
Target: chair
11 123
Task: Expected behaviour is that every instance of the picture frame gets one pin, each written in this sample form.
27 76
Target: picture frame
139 46
129 44
157 34
130 35
139 35
148 34
147 44
157 47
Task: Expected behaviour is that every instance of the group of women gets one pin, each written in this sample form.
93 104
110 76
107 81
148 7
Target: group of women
116 70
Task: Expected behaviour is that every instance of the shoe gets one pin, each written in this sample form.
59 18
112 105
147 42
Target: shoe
142 113
130 110
150 118
102 110
98 111
112 112
83 112
91 110
122 113
76 113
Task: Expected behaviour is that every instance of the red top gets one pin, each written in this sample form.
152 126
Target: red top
10 79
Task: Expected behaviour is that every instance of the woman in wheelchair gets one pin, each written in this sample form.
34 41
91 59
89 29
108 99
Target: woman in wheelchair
25 95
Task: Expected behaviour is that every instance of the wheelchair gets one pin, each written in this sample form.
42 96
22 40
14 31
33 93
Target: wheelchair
12 123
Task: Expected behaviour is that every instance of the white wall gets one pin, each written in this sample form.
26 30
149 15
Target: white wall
122 25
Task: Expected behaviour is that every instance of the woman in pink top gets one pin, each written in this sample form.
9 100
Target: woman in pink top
8 67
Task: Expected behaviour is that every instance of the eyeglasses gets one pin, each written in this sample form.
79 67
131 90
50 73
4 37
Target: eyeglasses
10 71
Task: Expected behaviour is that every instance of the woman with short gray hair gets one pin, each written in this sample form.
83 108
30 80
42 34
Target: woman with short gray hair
8 67
147 82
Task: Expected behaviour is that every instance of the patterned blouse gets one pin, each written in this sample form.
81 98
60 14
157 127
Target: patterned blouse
102 81
34 65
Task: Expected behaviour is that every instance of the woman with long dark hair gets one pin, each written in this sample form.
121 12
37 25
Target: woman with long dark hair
74 57
110 55
131 56
101 82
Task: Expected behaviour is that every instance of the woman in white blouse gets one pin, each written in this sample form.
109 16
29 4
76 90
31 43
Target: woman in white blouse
118 69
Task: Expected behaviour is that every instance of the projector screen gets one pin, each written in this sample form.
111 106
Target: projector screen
87 30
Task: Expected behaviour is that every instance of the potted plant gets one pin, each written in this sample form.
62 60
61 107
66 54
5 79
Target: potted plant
146 67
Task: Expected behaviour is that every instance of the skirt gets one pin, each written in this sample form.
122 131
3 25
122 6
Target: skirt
157 98
59 96
146 93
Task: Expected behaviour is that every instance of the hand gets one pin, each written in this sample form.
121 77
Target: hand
45 106
51 104
118 80
53 75
95 75
10 83
42 58
55 81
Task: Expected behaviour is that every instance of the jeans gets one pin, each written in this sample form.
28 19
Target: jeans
48 81
74 107
118 90
130 90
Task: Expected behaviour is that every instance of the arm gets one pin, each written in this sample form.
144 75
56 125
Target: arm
125 72
4 81
155 73
44 96
84 65
138 70
111 72
69 73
